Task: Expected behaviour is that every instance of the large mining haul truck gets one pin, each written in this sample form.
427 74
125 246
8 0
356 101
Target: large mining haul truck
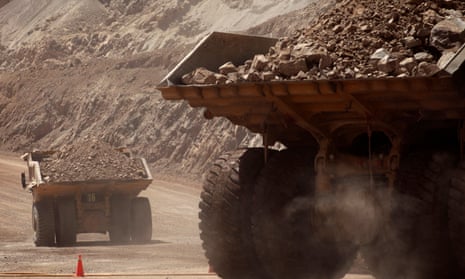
371 168
62 209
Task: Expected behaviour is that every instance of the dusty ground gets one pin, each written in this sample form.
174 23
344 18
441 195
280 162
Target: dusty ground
175 248
175 245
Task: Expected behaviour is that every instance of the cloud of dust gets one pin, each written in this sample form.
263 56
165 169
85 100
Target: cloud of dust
380 223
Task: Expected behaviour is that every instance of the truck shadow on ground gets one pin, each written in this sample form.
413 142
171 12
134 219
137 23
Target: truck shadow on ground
93 243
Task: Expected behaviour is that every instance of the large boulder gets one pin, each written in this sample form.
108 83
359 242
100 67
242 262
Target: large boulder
291 68
199 76
448 34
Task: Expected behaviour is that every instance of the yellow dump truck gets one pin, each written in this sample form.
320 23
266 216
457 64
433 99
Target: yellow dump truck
63 208
371 167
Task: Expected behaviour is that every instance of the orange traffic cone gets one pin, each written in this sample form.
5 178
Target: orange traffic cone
79 268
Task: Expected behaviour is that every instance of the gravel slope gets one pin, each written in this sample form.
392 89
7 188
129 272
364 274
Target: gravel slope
70 69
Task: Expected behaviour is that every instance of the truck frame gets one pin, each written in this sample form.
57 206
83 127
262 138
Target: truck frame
371 167
61 210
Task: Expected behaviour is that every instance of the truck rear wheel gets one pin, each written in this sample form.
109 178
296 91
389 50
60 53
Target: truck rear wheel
65 223
457 215
43 222
225 215
141 220
283 224
120 217
414 242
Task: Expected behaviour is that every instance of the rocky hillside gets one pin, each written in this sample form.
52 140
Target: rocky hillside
77 68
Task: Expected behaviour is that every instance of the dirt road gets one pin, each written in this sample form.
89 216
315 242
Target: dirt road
175 245
175 248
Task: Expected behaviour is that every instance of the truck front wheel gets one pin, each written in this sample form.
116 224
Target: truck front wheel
225 215
43 223
141 220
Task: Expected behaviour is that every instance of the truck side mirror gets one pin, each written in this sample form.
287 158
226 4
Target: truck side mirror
23 180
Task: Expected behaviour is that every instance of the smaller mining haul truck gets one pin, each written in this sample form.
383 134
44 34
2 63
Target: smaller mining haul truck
372 167
61 210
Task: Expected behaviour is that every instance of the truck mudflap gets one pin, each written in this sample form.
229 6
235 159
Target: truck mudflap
321 107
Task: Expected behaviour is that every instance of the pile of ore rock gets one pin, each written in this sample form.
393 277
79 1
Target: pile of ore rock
90 160
357 39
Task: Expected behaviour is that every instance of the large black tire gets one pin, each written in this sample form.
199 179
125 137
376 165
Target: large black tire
225 215
283 223
456 216
120 220
141 220
65 223
43 223
414 240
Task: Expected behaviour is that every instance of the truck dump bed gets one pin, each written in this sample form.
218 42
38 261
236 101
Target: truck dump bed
42 186
321 107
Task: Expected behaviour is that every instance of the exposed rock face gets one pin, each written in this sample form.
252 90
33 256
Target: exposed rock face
365 39
117 28
3 2
77 68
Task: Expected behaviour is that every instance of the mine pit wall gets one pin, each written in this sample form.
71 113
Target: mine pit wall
3 3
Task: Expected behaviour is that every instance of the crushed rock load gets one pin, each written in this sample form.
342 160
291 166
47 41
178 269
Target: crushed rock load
90 160
357 39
